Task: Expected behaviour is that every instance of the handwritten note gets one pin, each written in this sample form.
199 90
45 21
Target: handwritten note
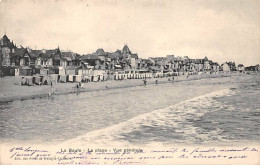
128 156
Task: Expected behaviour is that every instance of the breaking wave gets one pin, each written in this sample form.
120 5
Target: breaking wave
172 125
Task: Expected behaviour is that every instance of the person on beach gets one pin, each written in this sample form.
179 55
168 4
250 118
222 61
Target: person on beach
77 86
156 81
145 81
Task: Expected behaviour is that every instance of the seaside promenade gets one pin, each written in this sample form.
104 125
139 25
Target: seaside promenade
11 91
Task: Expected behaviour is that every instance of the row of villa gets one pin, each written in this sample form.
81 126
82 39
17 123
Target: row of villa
100 65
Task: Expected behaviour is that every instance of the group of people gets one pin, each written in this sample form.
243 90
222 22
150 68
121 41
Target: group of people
156 81
79 85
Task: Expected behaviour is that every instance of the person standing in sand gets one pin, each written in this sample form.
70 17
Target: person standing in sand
77 86
145 81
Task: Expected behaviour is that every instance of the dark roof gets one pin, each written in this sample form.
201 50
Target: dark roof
199 61
35 53
19 51
100 51
192 60
47 54
154 68
69 56
6 40
158 58
240 65
115 55
215 63
89 56
7 43
126 50
134 56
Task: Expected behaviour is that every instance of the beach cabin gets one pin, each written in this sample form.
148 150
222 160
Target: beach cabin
96 78
17 72
86 79
23 80
44 72
78 78
29 80
98 75
46 80
63 78
38 80
71 70
54 78
62 70
26 71
72 78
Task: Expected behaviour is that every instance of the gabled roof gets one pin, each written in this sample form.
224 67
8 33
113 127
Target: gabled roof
126 49
19 51
100 51
5 38
7 43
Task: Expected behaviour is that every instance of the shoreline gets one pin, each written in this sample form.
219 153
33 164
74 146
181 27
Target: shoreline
69 88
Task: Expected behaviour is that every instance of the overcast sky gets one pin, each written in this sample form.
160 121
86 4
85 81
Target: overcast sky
223 30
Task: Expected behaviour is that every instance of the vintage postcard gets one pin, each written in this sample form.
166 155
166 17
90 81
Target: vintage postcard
129 82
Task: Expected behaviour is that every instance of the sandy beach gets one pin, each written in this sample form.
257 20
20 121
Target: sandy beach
10 91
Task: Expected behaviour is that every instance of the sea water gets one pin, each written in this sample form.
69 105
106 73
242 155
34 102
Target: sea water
214 110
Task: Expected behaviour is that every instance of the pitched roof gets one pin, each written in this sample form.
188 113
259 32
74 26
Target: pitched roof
69 56
89 56
115 55
35 53
126 49
100 51
19 51
134 56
